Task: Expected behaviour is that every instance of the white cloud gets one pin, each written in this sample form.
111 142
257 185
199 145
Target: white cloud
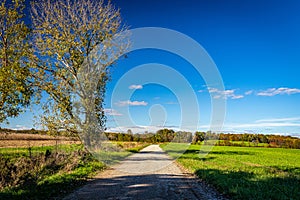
226 94
237 97
291 119
289 126
20 127
231 94
132 103
212 90
249 92
135 87
112 112
280 125
264 125
273 122
278 91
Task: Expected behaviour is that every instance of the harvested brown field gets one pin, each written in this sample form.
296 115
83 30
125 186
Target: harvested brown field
16 140
36 143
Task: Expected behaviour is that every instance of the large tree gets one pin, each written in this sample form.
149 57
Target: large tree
15 55
76 43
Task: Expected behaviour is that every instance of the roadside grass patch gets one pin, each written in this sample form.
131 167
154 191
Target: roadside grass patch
137 148
51 172
126 149
46 173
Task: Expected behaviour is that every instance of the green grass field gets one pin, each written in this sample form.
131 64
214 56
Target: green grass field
245 172
25 151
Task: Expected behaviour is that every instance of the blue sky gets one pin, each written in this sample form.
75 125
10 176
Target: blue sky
255 46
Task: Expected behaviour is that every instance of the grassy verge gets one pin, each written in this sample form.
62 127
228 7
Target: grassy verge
35 150
45 173
245 172
51 172
115 155
137 148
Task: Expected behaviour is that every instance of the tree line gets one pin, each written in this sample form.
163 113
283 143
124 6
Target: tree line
169 135
248 139
163 135
255 139
222 139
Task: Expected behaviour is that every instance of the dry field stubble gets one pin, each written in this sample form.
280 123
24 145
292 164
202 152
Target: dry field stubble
18 140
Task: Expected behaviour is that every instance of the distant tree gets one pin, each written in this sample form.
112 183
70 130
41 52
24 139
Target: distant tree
16 88
76 43
296 144
165 135
136 137
129 131
264 139
120 136
199 137
128 137
183 137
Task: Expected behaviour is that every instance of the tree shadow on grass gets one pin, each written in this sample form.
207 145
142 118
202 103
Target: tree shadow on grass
198 158
193 151
231 153
244 185
290 170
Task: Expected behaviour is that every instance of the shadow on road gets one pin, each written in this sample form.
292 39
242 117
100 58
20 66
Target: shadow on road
157 186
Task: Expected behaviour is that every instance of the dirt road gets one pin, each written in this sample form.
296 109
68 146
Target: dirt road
150 174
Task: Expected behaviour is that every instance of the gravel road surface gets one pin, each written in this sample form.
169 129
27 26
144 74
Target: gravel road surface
150 174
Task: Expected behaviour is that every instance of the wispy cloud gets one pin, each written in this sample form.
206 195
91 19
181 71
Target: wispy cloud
278 91
135 87
20 127
249 92
131 103
272 125
264 125
226 94
231 94
282 120
112 112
